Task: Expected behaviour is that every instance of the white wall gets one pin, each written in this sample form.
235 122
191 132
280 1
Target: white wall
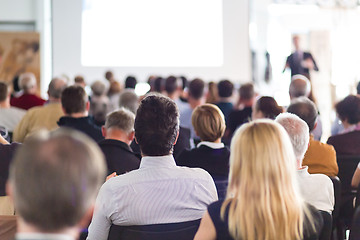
67 40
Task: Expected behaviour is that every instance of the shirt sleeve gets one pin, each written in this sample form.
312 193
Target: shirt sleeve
101 222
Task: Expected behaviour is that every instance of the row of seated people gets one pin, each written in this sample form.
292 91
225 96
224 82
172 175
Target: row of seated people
264 197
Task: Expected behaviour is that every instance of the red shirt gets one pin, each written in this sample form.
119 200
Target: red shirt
27 101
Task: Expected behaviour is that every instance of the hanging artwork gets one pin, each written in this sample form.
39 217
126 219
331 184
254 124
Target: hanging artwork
19 53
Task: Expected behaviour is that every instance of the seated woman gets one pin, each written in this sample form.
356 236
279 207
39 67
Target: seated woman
210 154
347 142
266 107
263 200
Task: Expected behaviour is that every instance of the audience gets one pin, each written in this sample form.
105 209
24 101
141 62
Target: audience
129 100
196 98
319 157
158 192
266 107
316 189
99 102
263 200
75 104
173 89
225 91
53 181
246 101
10 116
347 142
118 133
212 96
28 98
42 117
210 154
79 80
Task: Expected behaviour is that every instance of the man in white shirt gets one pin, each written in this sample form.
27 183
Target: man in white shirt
9 116
159 191
317 189
54 179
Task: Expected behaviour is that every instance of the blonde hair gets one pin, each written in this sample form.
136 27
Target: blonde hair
208 122
263 197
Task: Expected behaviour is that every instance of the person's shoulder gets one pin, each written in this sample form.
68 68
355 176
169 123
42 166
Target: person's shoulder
321 179
195 173
321 145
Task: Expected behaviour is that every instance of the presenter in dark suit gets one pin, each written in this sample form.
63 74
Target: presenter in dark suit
119 132
300 62
210 154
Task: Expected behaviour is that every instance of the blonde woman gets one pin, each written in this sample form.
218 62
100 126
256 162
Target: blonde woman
263 199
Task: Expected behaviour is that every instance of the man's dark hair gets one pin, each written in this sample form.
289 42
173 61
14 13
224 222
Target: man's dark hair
158 84
4 91
349 109
74 99
246 91
130 82
305 109
156 125
196 88
171 84
225 88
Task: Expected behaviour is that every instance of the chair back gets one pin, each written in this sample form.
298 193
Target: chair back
337 196
347 166
325 233
173 231
221 184
355 226
7 227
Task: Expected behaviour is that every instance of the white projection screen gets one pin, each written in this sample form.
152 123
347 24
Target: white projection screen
194 38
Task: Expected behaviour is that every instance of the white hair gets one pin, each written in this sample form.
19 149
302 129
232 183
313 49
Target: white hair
27 81
299 86
298 132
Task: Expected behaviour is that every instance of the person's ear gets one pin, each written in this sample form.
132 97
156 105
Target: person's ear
135 139
9 190
63 110
177 136
103 131
131 136
87 106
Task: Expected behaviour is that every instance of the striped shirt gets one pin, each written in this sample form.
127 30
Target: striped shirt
158 192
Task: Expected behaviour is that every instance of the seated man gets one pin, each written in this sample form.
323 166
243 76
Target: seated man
42 117
75 104
10 116
28 99
119 132
64 171
317 189
225 90
159 191
319 157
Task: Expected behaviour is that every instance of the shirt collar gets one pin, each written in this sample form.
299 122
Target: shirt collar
44 236
351 128
303 171
157 161
211 145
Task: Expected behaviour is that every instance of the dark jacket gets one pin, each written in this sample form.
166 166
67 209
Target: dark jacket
82 124
119 156
7 152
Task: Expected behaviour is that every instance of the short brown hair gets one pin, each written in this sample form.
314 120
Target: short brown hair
208 122
55 178
246 91
4 91
74 99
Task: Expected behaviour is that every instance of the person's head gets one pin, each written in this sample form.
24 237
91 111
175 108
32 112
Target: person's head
348 109
225 88
56 87
296 42
79 80
98 88
247 92
27 82
172 84
158 84
266 107
212 95
299 87
74 100
298 132
156 125
264 198
4 92
109 75
130 82
304 109
54 179
129 100
196 89
120 124
208 122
